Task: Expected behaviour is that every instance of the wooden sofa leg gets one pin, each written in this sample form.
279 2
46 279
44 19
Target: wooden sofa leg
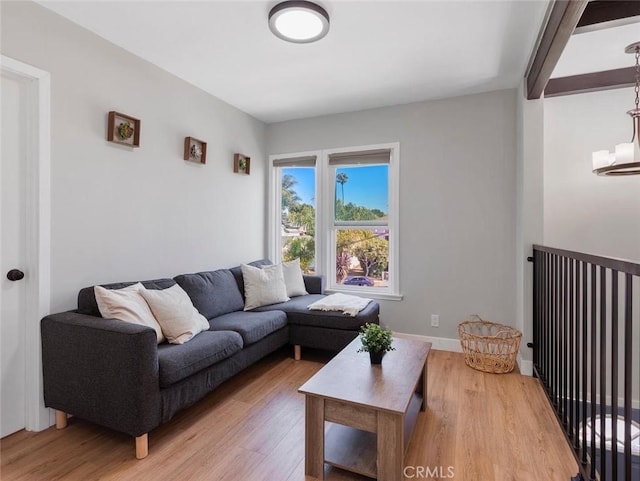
297 352
142 446
61 419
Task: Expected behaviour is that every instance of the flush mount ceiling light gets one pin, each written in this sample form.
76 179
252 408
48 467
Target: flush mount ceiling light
625 160
299 21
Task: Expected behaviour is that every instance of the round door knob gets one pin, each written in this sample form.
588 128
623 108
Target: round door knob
15 275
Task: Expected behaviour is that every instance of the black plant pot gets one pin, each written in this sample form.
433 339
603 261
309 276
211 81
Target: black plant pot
376 357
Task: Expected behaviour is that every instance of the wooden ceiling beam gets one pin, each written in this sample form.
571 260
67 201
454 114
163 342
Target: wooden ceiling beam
561 23
599 11
590 82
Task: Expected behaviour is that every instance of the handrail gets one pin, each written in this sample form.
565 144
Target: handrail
620 265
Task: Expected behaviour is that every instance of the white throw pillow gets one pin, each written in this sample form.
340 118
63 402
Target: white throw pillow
293 279
127 305
263 286
180 321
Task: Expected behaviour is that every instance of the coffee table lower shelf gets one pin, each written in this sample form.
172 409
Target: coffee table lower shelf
355 450
351 449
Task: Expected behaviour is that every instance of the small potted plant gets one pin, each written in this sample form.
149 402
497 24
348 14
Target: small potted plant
376 340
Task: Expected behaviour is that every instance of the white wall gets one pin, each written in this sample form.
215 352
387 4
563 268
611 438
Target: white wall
457 202
122 214
529 228
584 212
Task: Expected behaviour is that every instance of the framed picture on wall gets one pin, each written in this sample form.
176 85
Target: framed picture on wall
123 129
195 150
241 164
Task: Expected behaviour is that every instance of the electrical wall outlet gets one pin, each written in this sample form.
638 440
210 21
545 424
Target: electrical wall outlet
435 320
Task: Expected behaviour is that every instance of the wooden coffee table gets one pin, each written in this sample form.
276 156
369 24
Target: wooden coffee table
359 416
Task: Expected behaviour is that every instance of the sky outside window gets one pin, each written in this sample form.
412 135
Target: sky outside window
366 186
306 186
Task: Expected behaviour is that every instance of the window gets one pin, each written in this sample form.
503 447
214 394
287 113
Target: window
337 211
295 234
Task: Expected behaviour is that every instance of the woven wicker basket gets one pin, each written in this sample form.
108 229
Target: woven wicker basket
489 346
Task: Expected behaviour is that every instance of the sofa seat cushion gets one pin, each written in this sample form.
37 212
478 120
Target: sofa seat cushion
178 361
213 293
252 326
299 314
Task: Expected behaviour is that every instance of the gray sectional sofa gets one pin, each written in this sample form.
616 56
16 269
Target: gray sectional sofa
115 374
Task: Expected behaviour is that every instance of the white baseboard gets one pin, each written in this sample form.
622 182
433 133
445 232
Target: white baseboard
453 345
440 343
526 367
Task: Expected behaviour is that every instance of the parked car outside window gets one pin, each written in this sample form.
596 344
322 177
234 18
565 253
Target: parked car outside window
358 281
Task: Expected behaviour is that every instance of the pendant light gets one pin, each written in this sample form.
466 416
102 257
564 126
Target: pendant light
625 160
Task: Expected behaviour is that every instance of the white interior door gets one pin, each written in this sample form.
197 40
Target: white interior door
13 167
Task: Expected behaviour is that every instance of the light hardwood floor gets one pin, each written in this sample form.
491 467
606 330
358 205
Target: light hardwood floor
485 427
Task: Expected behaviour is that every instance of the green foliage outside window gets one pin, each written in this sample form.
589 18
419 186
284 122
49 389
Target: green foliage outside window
290 197
303 215
351 211
371 250
373 256
304 248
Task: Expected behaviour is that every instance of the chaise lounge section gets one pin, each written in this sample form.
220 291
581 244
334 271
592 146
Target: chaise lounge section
115 373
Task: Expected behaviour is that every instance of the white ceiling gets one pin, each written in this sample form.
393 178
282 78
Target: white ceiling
377 53
598 50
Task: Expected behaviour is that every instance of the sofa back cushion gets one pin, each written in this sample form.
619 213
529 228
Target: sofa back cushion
293 278
237 273
128 305
263 286
213 293
87 300
179 319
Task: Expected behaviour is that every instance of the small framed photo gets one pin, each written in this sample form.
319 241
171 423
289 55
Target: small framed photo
195 150
123 129
241 164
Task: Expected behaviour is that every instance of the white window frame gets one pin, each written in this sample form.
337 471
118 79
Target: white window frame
329 227
325 227
275 204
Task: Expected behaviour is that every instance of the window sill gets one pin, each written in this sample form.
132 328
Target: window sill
371 294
